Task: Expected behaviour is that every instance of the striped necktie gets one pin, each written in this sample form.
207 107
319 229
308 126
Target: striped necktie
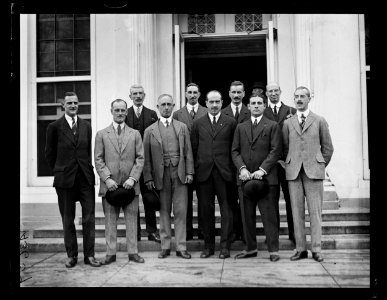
302 121
74 126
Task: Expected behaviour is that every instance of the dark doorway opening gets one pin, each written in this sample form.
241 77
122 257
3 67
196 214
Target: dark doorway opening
214 64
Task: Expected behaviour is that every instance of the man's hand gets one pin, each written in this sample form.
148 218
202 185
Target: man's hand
111 184
258 174
244 175
128 184
188 179
150 185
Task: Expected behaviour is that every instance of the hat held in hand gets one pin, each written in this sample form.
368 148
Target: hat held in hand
121 197
255 188
152 199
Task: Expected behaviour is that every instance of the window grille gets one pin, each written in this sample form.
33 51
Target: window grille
201 24
248 22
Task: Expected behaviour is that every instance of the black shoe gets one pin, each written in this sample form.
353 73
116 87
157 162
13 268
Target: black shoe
246 254
183 254
317 257
92 261
164 253
207 253
299 255
108 260
71 262
154 236
274 257
136 258
224 253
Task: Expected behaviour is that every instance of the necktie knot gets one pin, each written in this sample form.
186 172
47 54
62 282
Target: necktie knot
119 129
166 123
214 120
302 120
138 112
236 112
255 122
192 113
73 126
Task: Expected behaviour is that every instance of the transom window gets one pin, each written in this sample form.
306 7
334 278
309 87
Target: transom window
201 23
248 22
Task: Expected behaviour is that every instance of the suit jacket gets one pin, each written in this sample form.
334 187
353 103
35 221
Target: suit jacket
64 155
285 112
119 164
213 148
244 113
154 161
183 115
150 116
261 150
311 148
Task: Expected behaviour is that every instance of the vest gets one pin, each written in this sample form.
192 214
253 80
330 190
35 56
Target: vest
171 149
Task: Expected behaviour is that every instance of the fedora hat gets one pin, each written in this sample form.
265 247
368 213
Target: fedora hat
258 85
121 197
255 188
152 199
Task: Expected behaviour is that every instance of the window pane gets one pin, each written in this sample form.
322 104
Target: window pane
82 89
83 61
46 93
64 61
64 45
46 62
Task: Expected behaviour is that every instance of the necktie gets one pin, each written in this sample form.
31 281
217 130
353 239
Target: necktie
302 121
236 113
275 112
192 113
74 126
119 129
166 123
255 122
214 121
138 112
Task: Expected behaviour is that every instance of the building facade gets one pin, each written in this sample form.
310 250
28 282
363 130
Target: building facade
100 56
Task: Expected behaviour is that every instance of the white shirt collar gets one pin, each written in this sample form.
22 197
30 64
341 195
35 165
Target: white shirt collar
135 108
162 120
278 104
115 125
212 117
258 119
305 113
195 107
233 107
70 120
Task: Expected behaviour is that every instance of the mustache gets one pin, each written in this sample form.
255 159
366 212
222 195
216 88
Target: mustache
299 102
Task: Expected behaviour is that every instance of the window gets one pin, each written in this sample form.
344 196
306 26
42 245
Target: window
248 22
62 65
201 23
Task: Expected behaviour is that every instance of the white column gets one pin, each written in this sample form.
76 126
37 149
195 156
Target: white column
147 56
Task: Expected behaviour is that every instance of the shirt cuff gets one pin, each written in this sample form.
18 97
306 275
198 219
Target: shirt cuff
107 178
241 168
133 178
263 170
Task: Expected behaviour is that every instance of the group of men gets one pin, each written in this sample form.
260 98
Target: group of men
242 155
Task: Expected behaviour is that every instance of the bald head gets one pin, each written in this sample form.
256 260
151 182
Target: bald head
273 92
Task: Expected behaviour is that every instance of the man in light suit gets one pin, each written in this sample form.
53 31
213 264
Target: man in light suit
139 117
68 153
188 114
169 168
119 160
236 109
308 150
211 140
277 111
256 148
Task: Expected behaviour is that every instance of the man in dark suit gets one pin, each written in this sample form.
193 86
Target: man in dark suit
140 117
211 140
236 109
308 150
256 148
188 114
68 153
169 168
277 111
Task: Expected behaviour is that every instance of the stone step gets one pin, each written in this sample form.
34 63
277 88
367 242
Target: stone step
328 227
335 241
349 214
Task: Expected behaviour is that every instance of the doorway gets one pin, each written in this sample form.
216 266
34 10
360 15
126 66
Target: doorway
214 63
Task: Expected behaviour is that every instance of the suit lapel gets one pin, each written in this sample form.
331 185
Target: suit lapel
67 130
208 126
296 125
244 113
247 127
130 116
112 137
282 113
309 121
156 132
220 125
186 116
125 138
201 112
261 125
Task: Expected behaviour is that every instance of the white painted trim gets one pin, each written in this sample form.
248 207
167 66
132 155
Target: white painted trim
263 32
177 68
363 87
64 78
